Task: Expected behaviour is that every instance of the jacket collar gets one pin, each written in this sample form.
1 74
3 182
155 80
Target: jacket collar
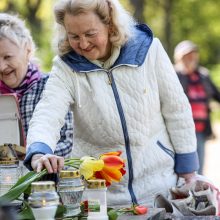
133 53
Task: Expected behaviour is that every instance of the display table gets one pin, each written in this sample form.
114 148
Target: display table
160 214
153 214
194 218
157 214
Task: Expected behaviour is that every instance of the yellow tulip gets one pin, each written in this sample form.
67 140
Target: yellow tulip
89 166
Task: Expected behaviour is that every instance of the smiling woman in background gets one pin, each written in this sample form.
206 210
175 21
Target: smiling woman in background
19 75
125 96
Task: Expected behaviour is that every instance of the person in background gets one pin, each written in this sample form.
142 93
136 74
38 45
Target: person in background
125 97
199 89
21 76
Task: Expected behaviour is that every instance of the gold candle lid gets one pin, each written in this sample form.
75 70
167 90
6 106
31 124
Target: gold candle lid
66 174
96 184
9 162
41 186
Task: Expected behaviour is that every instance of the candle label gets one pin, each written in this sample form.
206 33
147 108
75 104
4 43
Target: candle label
94 206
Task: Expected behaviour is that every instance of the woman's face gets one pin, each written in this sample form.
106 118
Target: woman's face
13 63
191 61
88 36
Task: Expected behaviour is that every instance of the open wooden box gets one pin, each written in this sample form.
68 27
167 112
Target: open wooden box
11 130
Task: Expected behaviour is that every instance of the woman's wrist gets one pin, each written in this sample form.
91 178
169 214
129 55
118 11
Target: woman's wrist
189 177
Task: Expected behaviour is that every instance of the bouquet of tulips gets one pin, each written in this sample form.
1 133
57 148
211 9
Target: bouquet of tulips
109 166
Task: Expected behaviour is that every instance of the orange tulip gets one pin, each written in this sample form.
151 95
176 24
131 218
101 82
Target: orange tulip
113 169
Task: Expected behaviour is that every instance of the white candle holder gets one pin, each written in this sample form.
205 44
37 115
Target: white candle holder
96 196
43 200
44 213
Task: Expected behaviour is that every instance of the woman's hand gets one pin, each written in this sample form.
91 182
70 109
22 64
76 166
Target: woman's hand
51 162
189 177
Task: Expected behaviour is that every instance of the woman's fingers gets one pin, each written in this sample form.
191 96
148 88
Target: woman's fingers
60 164
46 162
50 162
39 167
35 162
53 160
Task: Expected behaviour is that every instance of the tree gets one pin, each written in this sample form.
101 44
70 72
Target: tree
196 20
167 7
138 9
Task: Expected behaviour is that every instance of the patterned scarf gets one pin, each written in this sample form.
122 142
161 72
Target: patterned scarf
33 75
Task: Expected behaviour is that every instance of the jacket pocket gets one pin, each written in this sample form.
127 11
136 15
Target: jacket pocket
166 150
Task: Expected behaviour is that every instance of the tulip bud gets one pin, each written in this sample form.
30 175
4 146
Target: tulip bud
140 210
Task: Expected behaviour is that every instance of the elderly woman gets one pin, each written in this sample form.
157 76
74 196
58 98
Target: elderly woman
125 96
19 75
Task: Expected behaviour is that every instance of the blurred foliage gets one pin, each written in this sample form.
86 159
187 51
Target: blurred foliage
171 20
215 76
196 20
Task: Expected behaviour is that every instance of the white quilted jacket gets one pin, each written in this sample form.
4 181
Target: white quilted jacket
157 114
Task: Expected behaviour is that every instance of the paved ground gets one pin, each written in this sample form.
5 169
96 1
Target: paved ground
212 158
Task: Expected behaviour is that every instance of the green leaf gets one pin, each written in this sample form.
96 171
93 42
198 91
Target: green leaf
28 191
112 214
61 209
24 178
26 213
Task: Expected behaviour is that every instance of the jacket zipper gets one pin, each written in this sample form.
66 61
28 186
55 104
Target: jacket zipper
126 136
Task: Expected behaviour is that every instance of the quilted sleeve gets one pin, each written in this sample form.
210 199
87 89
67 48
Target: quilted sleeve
176 112
49 114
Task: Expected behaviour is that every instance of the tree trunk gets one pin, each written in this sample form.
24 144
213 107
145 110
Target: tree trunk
168 6
139 9
36 24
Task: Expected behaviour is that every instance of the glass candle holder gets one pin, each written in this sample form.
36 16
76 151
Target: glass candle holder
9 174
43 200
9 168
70 188
96 196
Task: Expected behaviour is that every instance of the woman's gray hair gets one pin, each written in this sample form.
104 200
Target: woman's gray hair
109 11
14 29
